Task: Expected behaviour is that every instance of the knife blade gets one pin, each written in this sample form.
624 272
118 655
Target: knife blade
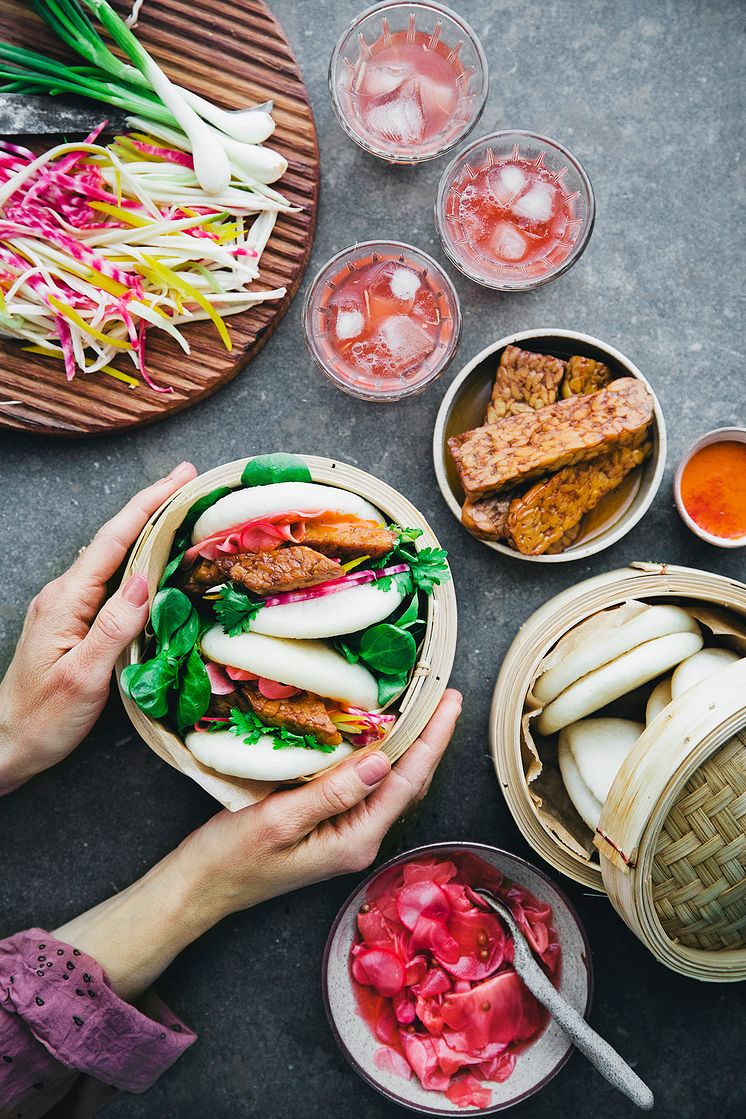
24 114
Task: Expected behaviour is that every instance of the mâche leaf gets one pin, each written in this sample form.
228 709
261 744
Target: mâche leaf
388 649
182 642
148 684
194 691
169 611
235 609
266 469
390 687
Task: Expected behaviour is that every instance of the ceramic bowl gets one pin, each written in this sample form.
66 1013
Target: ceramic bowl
463 408
535 1065
719 435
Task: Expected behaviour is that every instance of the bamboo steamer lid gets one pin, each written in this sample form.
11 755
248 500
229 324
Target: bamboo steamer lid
430 678
672 835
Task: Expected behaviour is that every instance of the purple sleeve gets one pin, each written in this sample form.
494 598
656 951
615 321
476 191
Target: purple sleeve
59 1018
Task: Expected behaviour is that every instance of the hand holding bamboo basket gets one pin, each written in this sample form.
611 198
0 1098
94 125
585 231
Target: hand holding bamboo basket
420 690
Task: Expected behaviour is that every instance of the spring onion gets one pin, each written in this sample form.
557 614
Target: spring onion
219 141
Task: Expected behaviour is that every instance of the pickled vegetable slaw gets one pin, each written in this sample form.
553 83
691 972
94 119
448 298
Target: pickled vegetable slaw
434 978
98 244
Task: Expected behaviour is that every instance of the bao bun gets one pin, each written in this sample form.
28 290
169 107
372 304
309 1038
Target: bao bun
703 664
228 753
310 665
279 497
591 753
615 679
659 698
657 621
342 612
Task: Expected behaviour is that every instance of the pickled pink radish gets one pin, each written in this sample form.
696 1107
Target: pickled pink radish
333 586
433 974
262 534
220 684
468 1092
272 690
240 675
389 1060
422 898
380 968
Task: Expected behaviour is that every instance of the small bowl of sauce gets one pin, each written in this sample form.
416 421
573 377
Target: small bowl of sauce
710 487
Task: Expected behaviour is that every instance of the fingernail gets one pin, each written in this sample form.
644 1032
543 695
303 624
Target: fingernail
136 590
176 471
372 769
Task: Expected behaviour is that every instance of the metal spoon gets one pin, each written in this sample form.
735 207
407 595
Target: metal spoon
592 1045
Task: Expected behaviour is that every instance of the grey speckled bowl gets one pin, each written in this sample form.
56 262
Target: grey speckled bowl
535 1066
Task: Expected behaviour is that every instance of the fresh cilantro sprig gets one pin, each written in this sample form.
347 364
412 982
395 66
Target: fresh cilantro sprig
235 609
428 567
249 727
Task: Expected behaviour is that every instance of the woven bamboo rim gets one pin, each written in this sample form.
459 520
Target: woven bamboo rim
430 678
671 836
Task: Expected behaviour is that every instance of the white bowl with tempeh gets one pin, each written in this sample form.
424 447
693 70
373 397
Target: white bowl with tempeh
549 445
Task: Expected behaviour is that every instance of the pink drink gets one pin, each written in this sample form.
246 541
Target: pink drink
382 325
513 215
406 89
516 214
408 81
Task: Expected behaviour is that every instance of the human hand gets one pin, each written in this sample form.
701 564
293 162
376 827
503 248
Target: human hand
332 825
58 680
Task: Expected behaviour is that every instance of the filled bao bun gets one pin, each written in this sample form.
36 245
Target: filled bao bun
279 497
227 753
309 665
594 675
330 615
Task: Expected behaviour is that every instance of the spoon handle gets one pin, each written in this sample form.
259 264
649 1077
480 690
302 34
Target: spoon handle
599 1052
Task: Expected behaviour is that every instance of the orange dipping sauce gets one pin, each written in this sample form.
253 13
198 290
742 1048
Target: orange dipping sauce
713 489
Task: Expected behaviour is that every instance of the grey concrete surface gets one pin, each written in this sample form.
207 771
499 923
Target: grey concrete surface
650 95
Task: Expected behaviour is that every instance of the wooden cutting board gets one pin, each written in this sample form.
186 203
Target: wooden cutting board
235 53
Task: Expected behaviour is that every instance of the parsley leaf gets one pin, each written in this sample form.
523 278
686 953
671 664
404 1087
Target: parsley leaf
428 567
248 726
235 609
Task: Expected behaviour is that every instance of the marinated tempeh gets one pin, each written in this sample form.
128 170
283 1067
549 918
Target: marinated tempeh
487 517
584 375
524 381
566 540
546 512
520 448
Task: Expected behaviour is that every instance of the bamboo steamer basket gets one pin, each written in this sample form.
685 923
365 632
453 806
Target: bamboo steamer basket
671 840
429 680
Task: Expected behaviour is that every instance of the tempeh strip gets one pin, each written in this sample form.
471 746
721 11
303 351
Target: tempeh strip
523 382
520 448
551 508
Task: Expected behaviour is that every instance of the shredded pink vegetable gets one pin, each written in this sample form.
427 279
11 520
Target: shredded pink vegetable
333 586
101 243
